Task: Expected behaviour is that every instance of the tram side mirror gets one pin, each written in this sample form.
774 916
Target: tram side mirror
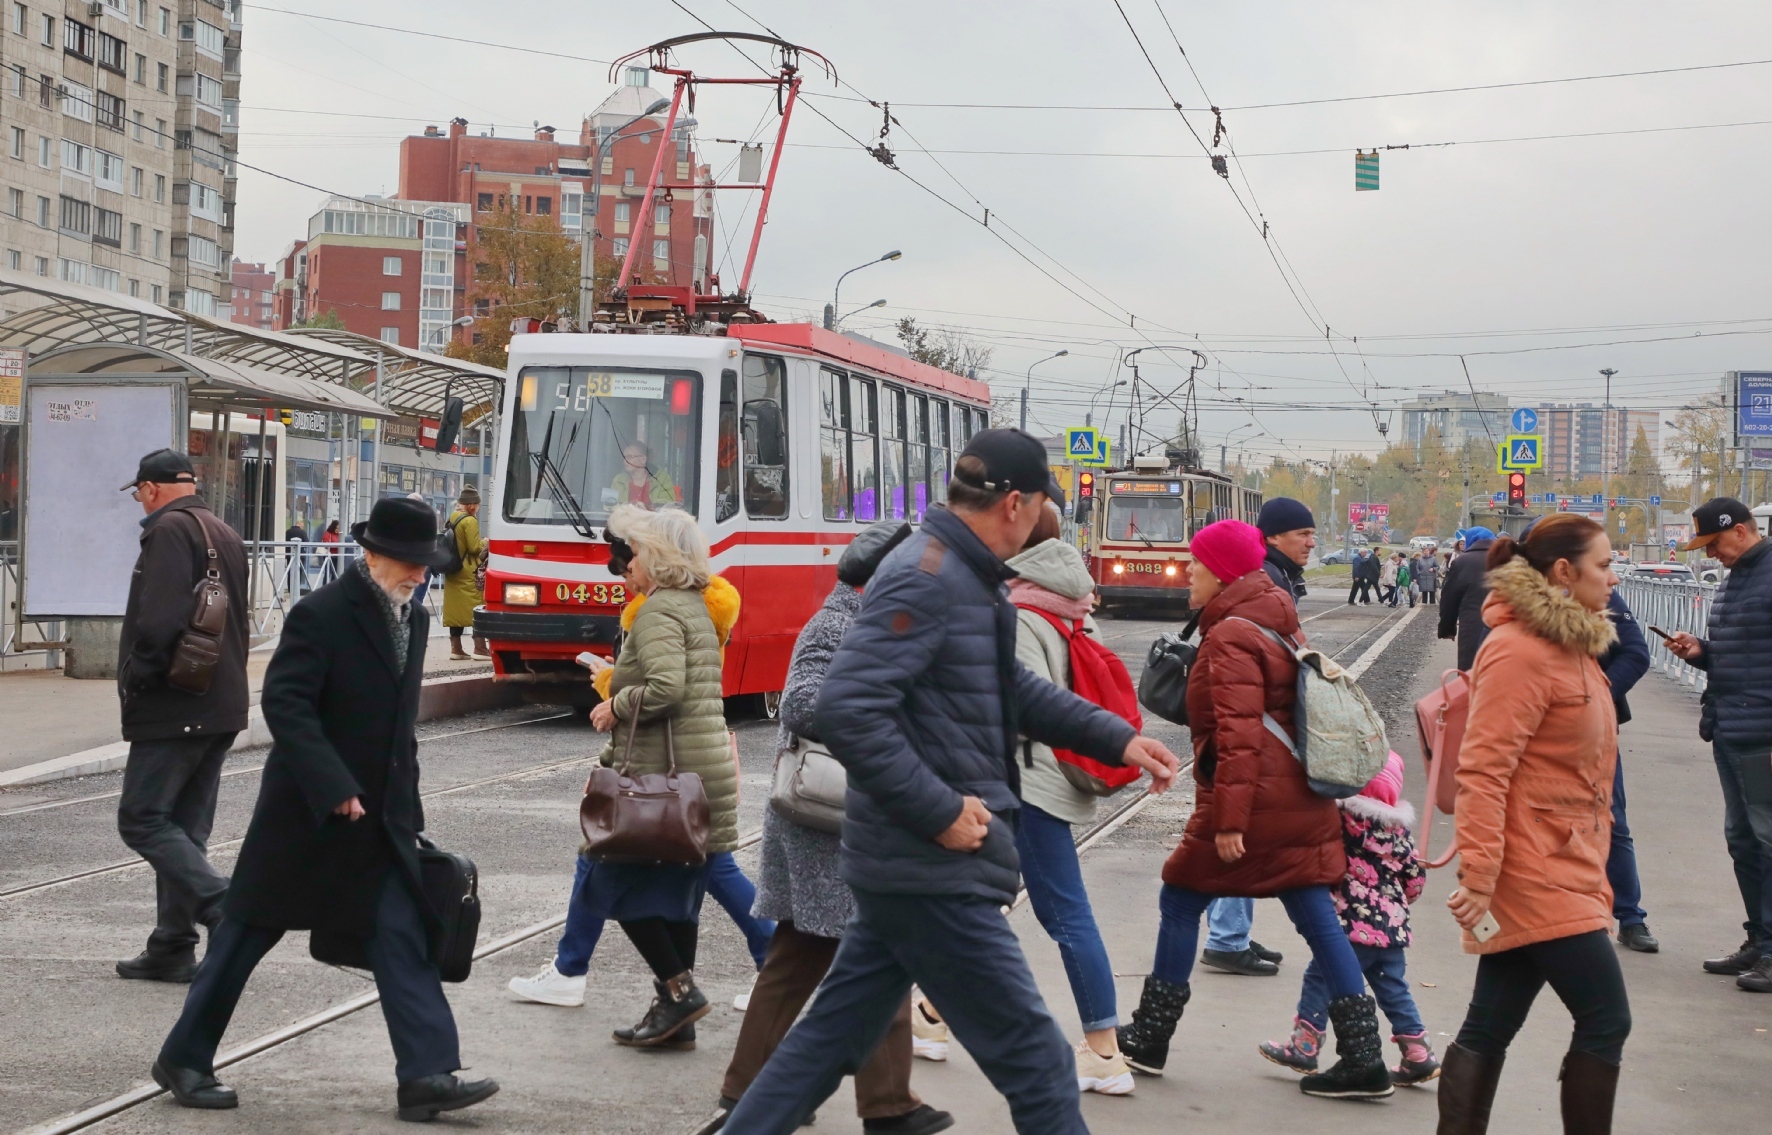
449 424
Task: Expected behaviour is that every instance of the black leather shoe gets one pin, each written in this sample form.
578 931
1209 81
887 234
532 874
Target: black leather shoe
1735 964
192 1088
1637 937
921 1120
422 1099
1266 954
178 969
1246 962
1758 979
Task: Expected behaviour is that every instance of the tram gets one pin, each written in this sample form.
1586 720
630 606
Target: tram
1139 521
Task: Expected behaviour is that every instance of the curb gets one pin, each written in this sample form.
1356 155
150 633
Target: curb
438 697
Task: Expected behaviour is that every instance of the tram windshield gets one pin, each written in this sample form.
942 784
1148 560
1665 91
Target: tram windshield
585 439
1147 519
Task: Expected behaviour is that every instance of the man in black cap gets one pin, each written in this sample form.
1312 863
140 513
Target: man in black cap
924 705
1736 717
177 738
333 843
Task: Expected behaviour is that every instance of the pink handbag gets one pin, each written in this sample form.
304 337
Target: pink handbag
1440 720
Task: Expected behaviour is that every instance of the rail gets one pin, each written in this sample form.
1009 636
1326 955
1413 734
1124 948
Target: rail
21 641
1672 607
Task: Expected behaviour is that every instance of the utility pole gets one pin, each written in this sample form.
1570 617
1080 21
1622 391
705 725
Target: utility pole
1028 383
1606 447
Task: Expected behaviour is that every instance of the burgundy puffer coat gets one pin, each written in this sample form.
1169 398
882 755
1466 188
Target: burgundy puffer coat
1244 779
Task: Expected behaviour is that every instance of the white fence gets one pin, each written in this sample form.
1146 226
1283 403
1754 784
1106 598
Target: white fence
1672 607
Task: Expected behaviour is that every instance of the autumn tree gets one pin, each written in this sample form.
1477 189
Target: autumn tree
525 268
943 347
1698 444
328 319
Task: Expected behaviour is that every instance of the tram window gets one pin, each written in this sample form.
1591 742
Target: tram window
863 462
584 439
765 437
726 450
917 456
833 444
1149 519
938 451
893 477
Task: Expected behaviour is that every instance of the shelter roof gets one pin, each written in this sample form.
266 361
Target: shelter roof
211 383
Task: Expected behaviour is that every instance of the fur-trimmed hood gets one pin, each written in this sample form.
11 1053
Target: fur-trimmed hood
722 601
1518 592
1400 815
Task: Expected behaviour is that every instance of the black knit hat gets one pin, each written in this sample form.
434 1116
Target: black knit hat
1283 514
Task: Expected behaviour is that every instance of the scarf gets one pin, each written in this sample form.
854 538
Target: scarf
399 626
1026 593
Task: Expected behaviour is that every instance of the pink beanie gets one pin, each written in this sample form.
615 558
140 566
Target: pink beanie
1387 786
1230 549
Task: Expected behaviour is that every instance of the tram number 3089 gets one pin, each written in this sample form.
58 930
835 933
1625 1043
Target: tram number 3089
602 594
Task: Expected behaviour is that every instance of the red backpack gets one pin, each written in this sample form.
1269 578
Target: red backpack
1097 676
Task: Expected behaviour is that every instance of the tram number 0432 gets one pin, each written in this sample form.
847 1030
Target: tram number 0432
602 594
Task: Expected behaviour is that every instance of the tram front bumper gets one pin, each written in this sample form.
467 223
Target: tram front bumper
1112 593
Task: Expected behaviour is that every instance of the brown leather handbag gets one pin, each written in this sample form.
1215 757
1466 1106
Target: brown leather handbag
198 652
653 818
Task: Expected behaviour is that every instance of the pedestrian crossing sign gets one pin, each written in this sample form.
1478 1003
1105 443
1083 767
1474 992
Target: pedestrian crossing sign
1098 459
1080 443
1518 452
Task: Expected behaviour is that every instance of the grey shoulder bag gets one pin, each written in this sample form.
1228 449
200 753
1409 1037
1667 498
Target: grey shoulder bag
809 786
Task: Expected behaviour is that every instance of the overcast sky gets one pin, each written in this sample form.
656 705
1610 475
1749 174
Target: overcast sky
1624 237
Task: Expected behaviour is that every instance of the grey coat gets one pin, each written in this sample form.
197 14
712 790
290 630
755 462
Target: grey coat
797 878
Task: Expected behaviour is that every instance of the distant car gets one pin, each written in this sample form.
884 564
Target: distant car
1663 573
1422 543
1712 576
1331 558
1358 539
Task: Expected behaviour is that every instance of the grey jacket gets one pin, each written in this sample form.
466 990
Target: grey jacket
1057 567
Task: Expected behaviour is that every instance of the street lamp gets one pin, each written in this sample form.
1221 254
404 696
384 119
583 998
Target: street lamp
830 311
1606 445
1030 381
1089 418
859 310
587 268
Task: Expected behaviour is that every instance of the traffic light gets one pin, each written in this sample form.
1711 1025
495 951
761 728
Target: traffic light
1085 484
1085 503
1516 489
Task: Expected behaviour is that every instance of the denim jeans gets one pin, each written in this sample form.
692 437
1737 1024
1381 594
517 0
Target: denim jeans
1747 828
726 883
1054 880
1311 909
1227 924
1621 861
1386 973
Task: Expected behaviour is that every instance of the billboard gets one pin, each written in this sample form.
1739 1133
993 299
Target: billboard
1366 517
1753 403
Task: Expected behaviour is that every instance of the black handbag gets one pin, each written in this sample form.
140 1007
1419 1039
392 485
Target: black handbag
198 651
1162 688
451 885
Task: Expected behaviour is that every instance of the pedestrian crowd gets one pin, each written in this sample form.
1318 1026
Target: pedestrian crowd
950 717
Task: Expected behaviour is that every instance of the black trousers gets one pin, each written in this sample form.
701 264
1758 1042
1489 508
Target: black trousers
164 816
420 1024
1583 970
1362 588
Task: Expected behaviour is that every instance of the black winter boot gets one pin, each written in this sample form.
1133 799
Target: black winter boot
1360 1074
678 1005
1589 1086
1145 1042
1467 1090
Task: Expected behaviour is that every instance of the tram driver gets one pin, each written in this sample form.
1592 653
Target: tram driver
640 484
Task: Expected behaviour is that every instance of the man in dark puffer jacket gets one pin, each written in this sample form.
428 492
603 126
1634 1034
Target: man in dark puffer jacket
923 704
1461 604
1737 718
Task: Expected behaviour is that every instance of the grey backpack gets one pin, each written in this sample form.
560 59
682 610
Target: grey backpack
1340 736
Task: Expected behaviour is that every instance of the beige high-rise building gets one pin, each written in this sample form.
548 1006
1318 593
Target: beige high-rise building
117 138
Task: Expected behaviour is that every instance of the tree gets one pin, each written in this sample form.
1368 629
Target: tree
527 268
943 347
1700 436
329 319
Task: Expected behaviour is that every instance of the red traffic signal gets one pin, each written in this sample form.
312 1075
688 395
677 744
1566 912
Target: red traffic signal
1516 488
1085 484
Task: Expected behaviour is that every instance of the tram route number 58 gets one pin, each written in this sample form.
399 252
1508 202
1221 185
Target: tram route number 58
602 594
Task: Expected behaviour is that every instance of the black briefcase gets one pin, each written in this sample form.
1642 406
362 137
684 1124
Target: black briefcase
452 890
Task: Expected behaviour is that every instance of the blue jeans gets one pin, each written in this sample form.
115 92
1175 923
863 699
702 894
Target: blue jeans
1385 971
1054 880
1227 924
1747 828
1621 861
964 955
1311 909
726 883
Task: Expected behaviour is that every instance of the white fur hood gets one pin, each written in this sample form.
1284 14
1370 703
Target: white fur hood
1400 816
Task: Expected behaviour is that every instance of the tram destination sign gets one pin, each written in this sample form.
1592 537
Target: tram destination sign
1146 488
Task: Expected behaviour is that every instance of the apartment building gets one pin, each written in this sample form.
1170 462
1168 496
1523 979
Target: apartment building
1585 440
117 121
251 300
1458 416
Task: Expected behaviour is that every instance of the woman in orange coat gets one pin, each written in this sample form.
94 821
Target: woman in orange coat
1534 825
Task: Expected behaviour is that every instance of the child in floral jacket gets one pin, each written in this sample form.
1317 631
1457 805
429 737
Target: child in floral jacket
1384 876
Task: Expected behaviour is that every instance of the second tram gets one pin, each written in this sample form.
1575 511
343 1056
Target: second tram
1139 522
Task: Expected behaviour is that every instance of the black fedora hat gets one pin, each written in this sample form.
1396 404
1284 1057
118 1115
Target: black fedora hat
402 529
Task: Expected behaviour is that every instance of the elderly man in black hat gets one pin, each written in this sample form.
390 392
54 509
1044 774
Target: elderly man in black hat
332 846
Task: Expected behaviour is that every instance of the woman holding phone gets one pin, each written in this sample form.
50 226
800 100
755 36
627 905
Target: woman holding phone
1534 825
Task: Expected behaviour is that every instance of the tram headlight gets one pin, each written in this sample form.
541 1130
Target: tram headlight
1169 571
522 595
1119 569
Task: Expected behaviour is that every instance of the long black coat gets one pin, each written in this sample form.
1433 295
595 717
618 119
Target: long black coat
1461 601
343 724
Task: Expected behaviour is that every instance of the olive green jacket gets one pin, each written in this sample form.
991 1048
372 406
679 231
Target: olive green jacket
669 675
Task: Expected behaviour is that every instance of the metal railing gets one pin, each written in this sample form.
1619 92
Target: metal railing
1672 607
21 641
289 569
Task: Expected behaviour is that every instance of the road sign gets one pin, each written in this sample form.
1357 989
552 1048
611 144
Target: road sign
1079 443
1525 420
1523 452
1656 501
1366 170
1100 457
1596 499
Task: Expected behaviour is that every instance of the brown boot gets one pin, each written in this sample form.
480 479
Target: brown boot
1467 1091
1589 1086
480 650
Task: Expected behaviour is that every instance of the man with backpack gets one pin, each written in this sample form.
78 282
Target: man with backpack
461 575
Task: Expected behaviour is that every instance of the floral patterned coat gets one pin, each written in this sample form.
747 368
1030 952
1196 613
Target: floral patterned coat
1384 873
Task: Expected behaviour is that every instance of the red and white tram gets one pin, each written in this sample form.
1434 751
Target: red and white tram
784 440
1140 523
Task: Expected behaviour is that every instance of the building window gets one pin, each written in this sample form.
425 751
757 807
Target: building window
71 271
205 89
199 302
110 111
76 216
76 101
42 214
165 21
202 251
15 203
619 246
76 158
21 16
661 218
390 301
390 265
42 265
135 181
160 189
135 241
137 126
483 202
661 254
18 143
107 227
206 36
544 206
43 153
627 177
159 246
108 174
15 260
109 279
135 288
205 202
156 294
391 335
162 75
48 30
45 92
141 69
113 54
141 13
159 133
77 40
17 82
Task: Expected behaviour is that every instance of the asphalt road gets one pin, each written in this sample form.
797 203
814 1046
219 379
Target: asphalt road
77 1035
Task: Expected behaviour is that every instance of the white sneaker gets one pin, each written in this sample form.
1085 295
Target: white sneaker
743 1000
1108 1075
550 987
929 1039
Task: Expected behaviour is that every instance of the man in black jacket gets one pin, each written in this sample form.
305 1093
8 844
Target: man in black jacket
1461 599
333 843
177 739
1291 532
924 705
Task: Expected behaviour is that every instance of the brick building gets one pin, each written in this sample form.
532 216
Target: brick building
250 301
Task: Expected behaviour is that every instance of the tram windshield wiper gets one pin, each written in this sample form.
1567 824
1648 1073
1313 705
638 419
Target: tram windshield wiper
556 482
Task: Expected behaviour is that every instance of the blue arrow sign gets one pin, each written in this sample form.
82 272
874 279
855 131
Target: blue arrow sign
1525 420
1079 443
1656 501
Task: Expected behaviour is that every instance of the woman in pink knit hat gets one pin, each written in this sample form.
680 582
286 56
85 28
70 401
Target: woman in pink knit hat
1257 829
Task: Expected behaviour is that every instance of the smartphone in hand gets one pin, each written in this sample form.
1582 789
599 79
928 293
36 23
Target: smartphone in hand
1486 927
1658 632
595 663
